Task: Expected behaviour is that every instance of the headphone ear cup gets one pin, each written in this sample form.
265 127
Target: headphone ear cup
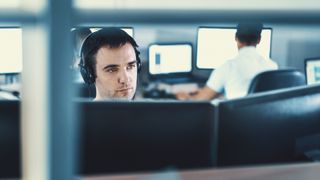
86 75
92 79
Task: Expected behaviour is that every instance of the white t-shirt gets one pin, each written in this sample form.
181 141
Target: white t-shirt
234 77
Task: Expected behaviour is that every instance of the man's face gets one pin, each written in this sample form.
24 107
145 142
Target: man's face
116 71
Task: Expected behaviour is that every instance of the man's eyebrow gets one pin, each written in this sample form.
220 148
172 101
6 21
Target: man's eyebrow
132 62
111 66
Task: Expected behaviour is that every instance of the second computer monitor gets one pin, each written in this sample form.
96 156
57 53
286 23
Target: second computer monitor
170 58
312 69
10 140
122 137
216 45
11 50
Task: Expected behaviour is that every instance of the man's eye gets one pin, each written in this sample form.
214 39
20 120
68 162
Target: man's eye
111 70
131 66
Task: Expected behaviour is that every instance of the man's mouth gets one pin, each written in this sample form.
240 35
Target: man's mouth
124 90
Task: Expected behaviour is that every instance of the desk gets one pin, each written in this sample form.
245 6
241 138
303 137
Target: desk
277 172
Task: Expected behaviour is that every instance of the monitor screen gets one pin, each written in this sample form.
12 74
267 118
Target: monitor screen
172 58
312 70
217 45
128 30
11 50
120 137
10 140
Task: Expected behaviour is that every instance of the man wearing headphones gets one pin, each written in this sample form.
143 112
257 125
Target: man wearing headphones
110 61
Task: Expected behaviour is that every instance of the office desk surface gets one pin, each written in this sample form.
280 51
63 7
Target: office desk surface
277 172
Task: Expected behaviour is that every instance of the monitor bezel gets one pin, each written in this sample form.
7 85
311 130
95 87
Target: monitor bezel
90 109
223 27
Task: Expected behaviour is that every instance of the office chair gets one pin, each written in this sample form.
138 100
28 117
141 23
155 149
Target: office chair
276 79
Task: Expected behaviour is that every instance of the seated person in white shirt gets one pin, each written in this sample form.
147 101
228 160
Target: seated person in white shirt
232 79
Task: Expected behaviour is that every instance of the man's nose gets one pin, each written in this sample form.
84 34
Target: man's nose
124 77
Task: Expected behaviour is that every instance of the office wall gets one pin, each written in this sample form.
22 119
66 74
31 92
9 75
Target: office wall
291 43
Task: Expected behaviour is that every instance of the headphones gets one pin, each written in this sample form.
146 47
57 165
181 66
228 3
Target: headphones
87 72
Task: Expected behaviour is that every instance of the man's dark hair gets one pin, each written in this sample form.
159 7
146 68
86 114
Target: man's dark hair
111 37
249 33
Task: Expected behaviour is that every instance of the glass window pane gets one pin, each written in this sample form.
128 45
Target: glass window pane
10 4
200 4
94 4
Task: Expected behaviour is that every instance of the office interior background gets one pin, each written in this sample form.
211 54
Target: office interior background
39 44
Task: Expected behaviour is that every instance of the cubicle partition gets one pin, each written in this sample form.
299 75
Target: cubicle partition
10 151
277 127
122 137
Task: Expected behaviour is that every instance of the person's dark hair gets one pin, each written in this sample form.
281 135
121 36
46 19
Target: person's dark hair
111 37
249 33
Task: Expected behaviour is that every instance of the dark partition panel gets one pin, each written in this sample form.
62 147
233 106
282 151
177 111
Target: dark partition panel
10 159
269 128
145 136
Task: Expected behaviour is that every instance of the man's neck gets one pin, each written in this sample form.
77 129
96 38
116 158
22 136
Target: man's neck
98 97
245 46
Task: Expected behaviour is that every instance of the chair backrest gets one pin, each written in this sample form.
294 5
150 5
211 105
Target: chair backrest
276 79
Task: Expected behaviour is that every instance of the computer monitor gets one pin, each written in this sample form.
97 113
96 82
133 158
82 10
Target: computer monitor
216 45
273 127
11 50
170 58
312 69
10 146
119 137
128 30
